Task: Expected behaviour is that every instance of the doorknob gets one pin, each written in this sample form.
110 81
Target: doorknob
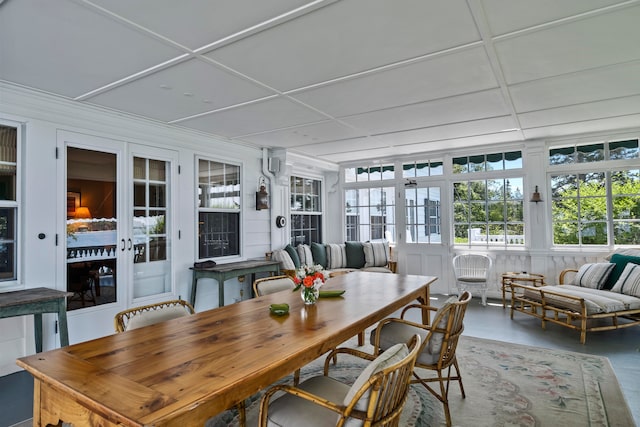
122 248
130 244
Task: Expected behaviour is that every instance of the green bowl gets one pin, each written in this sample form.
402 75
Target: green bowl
279 309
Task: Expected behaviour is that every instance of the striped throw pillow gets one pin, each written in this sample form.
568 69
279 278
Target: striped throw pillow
304 252
336 255
593 275
286 262
376 254
629 281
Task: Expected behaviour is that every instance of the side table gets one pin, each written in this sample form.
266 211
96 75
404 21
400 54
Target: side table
37 301
533 279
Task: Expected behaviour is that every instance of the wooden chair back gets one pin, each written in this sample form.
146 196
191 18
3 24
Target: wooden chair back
145 315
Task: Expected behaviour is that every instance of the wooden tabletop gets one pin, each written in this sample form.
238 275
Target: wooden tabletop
186 370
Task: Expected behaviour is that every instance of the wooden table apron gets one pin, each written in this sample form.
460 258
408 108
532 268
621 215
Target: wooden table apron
222 272
186 370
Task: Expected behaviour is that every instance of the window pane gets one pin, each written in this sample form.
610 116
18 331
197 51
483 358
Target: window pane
623 149
513 160
350 175
590 153
7 244
218 234
495 162
627 232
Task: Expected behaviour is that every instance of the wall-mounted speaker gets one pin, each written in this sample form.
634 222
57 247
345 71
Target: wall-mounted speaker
274 165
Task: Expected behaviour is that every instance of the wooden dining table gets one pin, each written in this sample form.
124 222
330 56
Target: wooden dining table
184 371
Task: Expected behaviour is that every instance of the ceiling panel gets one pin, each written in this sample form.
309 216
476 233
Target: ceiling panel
598 41
451 74
305 135
257 117
196 23
348 37
489 103
629 105
183 90
583 87
586 126
69 50
505 16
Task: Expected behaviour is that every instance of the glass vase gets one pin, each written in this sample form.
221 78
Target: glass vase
309 295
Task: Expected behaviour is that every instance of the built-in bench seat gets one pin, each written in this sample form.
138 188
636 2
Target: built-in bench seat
601 297
335 258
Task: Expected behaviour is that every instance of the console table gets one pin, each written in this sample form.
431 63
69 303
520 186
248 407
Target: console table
37 301
222 272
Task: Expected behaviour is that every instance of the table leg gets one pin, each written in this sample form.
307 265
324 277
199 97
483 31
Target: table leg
194 286
424 299
62 323
37 326
220 292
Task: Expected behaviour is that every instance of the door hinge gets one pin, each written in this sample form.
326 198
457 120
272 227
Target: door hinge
56 239
56 152
55 327
179 169
179 234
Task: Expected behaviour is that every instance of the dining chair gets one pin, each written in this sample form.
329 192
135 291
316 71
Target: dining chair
273 284
146 315
472 270
375 398
439 343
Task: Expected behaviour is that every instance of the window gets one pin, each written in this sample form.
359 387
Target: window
423 210
370 213
488 162
598 206
306 210
365 174
218 209
419 169
8 203
488 212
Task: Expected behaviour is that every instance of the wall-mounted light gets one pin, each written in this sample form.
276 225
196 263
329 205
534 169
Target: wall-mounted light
535 197
262 197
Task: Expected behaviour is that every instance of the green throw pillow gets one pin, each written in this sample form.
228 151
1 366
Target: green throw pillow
355 254
620 262
319 253
293 254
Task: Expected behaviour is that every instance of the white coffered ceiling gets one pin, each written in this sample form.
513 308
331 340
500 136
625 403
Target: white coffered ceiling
338 80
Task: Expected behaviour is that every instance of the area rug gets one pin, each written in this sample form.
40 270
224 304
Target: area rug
506 385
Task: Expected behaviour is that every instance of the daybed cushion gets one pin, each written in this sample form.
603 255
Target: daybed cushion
620 260
336 256
376 254
596 300
593 275
355 254
293 254
629 281
284 258
377 269
319 253
305 255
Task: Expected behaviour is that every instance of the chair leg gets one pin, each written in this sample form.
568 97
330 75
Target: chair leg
361 339
242 414
459 377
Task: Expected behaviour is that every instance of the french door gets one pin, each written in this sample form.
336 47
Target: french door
119 230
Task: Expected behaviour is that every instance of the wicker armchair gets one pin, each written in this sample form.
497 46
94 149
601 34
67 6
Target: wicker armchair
145 315
376 397
472 270
439 343
270 285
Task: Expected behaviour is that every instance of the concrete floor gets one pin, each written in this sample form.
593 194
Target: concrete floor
622 347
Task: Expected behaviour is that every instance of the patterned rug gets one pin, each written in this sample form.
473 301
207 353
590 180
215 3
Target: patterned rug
506 385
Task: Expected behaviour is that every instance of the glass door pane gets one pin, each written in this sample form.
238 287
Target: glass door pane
151 236
92 222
